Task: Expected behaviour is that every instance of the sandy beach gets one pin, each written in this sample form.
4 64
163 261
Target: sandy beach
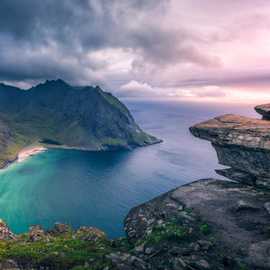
30 151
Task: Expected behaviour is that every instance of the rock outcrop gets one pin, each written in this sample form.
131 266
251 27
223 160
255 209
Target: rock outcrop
242 144
5 232
264 110
208 224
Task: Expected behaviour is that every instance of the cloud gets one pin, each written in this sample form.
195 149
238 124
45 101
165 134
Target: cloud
136 86
142 89
65 31
206 92
209 92
153 46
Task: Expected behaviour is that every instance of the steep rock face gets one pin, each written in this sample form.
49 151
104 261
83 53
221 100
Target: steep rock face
241 143
58 114
217 225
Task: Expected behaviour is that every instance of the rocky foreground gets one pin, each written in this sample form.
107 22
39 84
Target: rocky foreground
208 224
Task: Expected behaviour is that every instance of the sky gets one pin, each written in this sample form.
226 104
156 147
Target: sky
164 49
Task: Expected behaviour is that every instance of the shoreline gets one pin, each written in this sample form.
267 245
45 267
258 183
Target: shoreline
24 154
33 150
30 151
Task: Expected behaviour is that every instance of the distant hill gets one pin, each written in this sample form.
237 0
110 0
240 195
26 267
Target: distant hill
57 114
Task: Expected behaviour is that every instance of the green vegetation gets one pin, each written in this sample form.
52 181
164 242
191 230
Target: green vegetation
59 252
177 231
243 266
114 102
188 210
114 142
205 229
170 231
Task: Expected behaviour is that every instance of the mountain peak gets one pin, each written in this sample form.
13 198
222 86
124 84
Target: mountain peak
57 82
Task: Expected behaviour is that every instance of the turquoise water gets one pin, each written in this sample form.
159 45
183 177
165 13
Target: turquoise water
98 189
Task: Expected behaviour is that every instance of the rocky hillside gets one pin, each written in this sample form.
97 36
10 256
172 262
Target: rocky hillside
209 224
60 115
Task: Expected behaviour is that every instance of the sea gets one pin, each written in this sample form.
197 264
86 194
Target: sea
98 189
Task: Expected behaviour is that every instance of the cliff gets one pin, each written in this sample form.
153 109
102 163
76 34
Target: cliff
242 144
60 115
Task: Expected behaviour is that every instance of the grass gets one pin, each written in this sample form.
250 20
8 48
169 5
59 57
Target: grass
61 252
114 142
205 229
242 266
169 231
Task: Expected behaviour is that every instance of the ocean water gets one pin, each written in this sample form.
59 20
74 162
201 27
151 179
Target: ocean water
98 189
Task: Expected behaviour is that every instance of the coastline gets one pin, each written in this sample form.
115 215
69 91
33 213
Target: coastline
24 154
30 151
33 150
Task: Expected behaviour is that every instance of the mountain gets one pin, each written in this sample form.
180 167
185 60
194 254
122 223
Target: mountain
57 114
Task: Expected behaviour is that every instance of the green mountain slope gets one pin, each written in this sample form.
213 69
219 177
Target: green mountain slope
60 115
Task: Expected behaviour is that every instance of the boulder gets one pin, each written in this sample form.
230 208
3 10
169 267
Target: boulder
9 265
90 234
5 232
60 228
36 233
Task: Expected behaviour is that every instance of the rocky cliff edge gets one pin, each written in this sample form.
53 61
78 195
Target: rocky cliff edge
242 145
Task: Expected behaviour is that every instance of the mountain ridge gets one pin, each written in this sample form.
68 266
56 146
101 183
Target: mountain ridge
77 117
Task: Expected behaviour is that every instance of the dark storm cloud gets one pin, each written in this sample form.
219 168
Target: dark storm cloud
18 66
92 23
50 38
